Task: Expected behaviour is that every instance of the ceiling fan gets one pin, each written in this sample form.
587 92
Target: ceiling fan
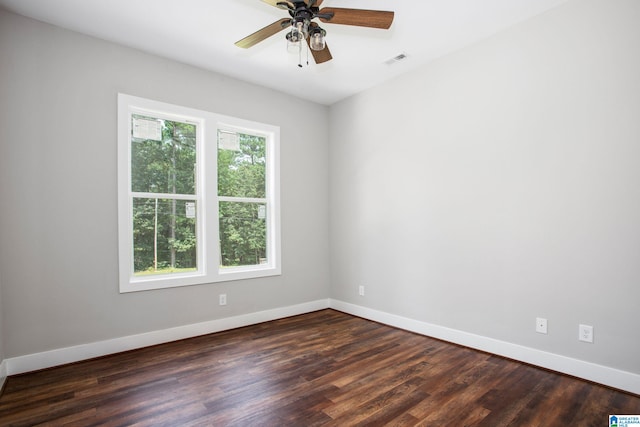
302 27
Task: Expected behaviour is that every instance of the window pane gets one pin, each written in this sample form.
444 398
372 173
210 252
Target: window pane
164 236
163 156
243 234
241 165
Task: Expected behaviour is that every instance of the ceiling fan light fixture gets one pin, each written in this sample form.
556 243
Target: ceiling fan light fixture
316 39
293 47
293 41
302 30
296 35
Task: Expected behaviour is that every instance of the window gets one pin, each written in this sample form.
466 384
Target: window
198 196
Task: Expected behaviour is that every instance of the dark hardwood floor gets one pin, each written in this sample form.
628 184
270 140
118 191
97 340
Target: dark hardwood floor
320 369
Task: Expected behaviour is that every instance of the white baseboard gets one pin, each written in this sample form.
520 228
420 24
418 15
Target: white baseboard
48 359
3 373
611 377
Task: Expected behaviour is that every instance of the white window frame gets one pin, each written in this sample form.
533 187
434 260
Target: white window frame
207 199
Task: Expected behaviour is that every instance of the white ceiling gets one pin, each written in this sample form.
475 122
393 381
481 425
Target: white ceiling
203 33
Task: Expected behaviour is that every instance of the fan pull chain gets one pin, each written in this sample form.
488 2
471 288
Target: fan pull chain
300 54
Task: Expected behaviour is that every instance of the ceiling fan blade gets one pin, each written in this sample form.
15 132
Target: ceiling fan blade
275 3
291 6
360 17
264 33
321 56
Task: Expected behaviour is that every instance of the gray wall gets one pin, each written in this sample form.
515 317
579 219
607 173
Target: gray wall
490 187
500 184
2 357
58 209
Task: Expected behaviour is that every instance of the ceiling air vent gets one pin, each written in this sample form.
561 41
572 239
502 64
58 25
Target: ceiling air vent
399 57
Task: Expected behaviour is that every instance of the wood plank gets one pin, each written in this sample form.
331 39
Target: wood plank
320 369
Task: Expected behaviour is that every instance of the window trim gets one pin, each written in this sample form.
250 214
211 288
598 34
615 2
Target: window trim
206 197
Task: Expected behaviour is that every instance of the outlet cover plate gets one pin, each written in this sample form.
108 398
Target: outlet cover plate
541 325
585 333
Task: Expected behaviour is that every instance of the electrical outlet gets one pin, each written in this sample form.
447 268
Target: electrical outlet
541 325
585 333
361 290
223 299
